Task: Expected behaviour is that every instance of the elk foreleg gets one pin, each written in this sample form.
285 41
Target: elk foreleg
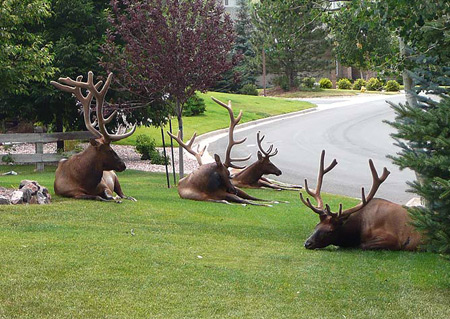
94 197
244 195
236 199
119 192
282 186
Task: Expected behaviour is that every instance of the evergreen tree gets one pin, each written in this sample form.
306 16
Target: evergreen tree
294 37
423 133
242 54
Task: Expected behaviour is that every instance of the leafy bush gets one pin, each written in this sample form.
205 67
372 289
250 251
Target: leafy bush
344 84
392 86
249 89
146 147
359 84
325 83
282 82
374 84
308 82
195 105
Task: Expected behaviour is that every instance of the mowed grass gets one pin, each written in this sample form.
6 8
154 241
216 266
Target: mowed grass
78 259
216 117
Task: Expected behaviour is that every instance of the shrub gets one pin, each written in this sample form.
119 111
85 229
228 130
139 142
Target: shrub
146 147
359 84
344 84
249 89
282 82
308 82
392 86
195 105
325 83
374 85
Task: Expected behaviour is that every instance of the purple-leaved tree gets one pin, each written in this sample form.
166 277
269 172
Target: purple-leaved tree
170 47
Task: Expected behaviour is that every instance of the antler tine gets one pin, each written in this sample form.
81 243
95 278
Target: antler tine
231 142
269 150
75 87
376 182
188 147
307 203
316 194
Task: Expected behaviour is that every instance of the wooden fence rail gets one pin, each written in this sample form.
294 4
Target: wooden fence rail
39 138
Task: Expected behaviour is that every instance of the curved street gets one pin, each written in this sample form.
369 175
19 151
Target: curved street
350 129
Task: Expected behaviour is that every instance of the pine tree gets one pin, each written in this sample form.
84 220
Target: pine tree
423 133
242 54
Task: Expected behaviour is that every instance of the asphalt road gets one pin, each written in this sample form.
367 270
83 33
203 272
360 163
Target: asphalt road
349 129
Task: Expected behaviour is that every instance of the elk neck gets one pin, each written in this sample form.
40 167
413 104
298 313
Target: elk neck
87 166
251 174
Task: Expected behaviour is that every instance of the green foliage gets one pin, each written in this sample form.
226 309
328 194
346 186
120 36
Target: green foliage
282 82
358 84
308 82
374 84
195 105
25 55
146 147
423 134
325 83
293 36
392 86
344 84
249 89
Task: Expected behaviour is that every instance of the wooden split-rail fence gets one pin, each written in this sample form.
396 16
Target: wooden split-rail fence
39 139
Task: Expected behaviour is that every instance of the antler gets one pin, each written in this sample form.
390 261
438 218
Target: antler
75 86
266 153
231 142
316 194
377 181
198 155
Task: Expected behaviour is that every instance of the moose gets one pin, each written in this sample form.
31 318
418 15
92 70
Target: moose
90 174
211 182
252 175
372 224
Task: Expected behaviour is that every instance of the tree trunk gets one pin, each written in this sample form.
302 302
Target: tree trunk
264 70
180 128
407 80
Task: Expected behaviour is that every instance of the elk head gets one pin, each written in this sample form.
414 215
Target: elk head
224 175
328 230
264 163
100 145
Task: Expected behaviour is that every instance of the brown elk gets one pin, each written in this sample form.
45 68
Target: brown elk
252 175
90 174
210 182
372 224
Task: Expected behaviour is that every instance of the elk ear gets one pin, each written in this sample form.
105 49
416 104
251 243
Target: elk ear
260 155
94 142
217 159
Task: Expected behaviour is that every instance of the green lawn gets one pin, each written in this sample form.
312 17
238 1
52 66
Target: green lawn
77 259
216 117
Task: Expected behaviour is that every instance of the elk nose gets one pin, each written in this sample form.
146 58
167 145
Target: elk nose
308 244
122 167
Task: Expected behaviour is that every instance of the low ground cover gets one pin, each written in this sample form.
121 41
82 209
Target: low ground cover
216 117
186 259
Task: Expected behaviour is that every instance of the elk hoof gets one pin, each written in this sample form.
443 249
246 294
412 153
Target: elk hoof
132 199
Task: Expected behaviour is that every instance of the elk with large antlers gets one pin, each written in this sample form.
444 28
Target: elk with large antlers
210 182
372 224
90 174
252 175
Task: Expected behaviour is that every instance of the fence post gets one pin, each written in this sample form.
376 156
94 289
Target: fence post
39 147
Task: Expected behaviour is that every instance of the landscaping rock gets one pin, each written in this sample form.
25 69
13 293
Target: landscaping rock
29 192
4 200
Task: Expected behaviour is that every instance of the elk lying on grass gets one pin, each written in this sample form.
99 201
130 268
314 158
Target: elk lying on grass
210 182
252 176
90 174
373 224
